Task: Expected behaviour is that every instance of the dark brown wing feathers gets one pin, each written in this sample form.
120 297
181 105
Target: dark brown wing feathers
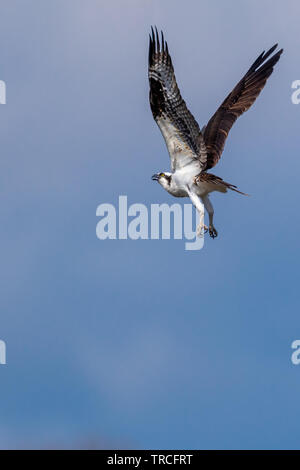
237 102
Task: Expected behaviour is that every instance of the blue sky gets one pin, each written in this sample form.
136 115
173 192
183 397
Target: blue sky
142 344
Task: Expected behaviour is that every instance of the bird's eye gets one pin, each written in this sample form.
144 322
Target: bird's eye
162 174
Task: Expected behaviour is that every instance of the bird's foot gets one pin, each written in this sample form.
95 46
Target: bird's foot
212 231
201 229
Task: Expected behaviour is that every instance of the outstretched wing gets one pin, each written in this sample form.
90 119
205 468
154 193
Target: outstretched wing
178 126
236 103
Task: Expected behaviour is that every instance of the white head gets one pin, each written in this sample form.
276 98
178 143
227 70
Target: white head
164 179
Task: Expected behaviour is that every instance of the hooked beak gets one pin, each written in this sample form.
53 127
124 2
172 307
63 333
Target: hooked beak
155 177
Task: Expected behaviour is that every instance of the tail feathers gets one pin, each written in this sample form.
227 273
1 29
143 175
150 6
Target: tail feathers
234 188
217 181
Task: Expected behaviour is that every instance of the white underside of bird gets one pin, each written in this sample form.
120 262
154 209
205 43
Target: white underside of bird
182 183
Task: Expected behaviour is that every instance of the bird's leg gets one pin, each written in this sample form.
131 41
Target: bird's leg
201 228
208 206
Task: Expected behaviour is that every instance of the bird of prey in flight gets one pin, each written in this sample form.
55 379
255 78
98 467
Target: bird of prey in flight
193 151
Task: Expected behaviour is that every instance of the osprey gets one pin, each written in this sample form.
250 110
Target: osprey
193 151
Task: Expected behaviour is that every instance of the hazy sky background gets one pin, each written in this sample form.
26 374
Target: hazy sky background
142 344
